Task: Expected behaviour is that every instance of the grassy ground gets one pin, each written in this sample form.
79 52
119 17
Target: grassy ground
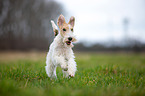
23 74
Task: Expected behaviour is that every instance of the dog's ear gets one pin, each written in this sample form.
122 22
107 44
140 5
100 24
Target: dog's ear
61 20
55 29
72 21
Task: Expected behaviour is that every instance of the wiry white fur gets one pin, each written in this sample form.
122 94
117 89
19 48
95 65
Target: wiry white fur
60 54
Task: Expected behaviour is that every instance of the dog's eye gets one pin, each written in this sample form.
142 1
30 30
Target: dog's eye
72 30
64 29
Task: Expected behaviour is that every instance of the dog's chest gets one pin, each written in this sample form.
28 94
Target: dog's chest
63 51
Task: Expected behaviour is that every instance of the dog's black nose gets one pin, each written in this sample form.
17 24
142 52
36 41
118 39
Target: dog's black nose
70 38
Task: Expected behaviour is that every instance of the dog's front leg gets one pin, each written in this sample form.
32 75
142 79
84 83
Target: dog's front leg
71 67
59 60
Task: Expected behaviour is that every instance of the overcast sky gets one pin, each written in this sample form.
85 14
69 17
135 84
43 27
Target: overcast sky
102 20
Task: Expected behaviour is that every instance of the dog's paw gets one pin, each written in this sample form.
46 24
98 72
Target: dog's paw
71 76
65 68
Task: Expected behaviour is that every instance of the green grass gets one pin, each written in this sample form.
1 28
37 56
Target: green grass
98 74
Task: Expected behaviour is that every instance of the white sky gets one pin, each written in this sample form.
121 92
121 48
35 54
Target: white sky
102 20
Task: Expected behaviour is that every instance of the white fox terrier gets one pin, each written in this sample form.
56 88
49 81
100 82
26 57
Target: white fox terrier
60 51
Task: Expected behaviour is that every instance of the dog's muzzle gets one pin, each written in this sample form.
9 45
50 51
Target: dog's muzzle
69 40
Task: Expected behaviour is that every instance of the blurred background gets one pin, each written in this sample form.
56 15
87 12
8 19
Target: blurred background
101 25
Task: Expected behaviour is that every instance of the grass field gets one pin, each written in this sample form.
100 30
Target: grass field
111 74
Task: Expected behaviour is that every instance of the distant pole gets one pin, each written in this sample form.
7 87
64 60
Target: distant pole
125 27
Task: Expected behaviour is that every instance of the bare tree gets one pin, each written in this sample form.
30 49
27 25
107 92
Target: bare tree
25 24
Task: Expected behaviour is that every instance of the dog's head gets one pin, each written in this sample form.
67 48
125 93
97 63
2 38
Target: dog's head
66 29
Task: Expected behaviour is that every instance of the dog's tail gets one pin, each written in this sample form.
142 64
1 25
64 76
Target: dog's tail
55 29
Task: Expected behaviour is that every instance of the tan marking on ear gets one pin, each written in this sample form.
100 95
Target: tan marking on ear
56 32
72 21
61 21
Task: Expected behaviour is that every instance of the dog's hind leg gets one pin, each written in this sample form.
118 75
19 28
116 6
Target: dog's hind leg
54 72
51 70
